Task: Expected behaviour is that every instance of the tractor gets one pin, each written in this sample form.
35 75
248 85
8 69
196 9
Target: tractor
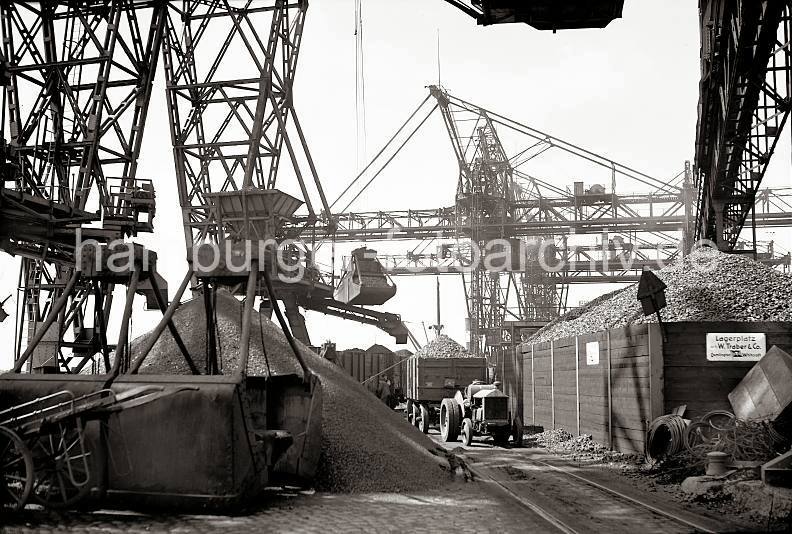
481 410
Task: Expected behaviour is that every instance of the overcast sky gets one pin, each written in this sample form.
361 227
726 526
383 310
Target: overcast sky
629 91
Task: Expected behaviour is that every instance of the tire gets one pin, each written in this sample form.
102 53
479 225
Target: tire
517 432
449 420
467 431
16 476
424 422
416 414
501 436
409 410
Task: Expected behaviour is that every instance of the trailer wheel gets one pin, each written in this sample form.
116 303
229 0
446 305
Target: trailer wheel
424 424
408 409
16 471
449 420
64 465
467 431
416 415
517 432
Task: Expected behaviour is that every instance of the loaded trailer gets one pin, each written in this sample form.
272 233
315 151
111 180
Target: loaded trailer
430 380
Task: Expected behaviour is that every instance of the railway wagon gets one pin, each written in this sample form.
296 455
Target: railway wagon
429 380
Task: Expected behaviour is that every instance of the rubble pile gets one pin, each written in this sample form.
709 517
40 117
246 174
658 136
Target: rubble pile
707 285
365 445
443 347
582 444
550 439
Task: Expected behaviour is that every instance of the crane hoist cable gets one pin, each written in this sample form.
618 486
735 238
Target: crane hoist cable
382 151
360 85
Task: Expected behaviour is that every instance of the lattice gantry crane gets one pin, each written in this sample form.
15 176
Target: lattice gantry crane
76 79
499 195
744 103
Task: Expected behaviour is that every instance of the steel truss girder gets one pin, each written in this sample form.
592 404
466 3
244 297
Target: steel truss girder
553 215
212 101
744 105
79 79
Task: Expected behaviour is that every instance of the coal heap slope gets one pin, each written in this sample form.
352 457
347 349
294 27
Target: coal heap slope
707 285
443 347
366 446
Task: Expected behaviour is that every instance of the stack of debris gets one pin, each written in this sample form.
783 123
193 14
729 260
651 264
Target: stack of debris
365 445
707 285
582 447
443 347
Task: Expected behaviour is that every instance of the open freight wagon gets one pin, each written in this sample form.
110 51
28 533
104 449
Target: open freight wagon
429 380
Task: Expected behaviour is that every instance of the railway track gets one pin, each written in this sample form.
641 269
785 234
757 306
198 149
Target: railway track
663 518
571 502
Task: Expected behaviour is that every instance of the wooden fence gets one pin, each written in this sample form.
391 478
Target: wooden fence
612 384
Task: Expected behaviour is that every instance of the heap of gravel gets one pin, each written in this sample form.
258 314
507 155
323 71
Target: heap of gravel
550 439
582 447
366 447
443 347
707 285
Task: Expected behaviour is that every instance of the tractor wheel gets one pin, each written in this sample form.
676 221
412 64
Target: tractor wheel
409 410
16 471
424 424
467 431
501 436
517 432
449 420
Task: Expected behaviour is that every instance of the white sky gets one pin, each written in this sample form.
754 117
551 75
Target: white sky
629 92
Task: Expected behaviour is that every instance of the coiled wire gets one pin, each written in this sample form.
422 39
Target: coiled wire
665 437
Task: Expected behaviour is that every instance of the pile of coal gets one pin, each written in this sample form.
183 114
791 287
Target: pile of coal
443 347
366 446
706 285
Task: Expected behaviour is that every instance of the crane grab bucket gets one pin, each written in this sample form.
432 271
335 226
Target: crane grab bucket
364 282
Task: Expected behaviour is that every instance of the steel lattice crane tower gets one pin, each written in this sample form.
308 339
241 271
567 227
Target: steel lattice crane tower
77 81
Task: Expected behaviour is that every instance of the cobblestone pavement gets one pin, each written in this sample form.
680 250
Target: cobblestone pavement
459 507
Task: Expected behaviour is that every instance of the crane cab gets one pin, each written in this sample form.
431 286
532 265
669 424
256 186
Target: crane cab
364 281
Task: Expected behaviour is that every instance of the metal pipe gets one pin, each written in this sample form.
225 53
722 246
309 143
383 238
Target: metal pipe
273 299
51 317
121 348
247 315
166 317
171 326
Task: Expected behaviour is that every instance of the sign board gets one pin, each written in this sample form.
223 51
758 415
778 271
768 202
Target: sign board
649 285
592 353
749 347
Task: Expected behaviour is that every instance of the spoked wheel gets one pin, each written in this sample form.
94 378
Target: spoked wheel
62 462
16 471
